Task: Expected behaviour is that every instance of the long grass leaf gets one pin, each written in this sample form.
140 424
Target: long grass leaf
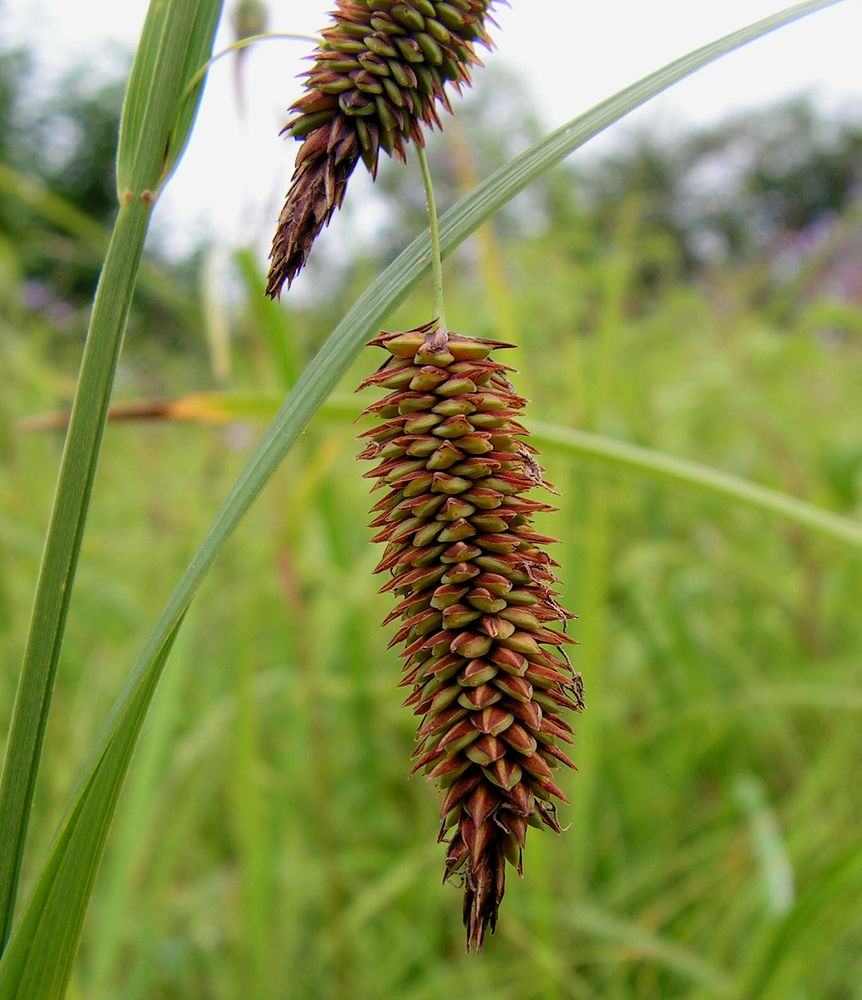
62 546
669 468
653 464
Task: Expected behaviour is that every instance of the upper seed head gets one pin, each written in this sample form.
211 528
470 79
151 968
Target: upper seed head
377 79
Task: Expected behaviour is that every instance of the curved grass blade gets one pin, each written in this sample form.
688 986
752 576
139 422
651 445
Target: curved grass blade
62 891
660 465
651 463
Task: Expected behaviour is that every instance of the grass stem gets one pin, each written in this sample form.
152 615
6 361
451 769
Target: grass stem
63 544
434 227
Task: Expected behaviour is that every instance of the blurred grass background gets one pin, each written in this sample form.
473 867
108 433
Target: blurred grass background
268 843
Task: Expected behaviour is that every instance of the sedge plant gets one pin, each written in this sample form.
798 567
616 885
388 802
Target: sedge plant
40 938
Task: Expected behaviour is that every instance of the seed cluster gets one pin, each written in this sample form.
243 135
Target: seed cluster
488 676
377 77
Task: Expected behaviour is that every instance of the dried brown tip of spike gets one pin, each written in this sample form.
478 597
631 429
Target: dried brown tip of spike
323 167
481 626
484 886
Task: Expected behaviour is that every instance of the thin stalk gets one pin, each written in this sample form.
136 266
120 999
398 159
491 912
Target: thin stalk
238 46
436 253
63 544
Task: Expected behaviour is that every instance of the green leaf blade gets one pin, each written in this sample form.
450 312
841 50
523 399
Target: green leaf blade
157 114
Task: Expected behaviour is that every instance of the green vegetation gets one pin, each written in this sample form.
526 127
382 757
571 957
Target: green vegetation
267 843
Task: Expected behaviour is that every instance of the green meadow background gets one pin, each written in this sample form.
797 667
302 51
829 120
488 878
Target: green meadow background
268 843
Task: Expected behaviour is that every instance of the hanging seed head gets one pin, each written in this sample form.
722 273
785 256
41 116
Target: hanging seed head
482 659
377 78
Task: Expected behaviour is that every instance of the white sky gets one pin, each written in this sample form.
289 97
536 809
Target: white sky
570 54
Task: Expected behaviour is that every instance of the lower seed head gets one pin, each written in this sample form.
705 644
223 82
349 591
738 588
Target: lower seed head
480 609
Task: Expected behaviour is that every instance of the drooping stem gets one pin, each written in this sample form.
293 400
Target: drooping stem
238 46
436 255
